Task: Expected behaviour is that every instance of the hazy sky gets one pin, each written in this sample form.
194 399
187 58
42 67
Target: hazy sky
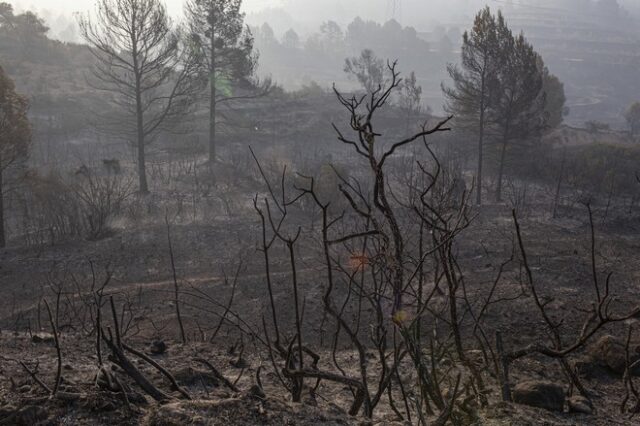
175 6
256 5
308 14
306 7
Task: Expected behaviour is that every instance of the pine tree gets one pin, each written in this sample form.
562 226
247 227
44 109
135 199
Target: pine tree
555 98
517 108
368 70
291 40
469 99
226 52
499 91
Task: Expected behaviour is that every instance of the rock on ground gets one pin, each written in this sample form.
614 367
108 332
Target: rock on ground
610 352
541 394
580 404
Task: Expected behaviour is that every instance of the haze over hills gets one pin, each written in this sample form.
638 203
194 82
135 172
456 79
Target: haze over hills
304 15
580 44
585 47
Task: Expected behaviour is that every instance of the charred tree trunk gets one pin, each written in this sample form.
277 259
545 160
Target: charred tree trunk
503 156
140 133
2 234
481 141
212 120
142 169
212 101
480 150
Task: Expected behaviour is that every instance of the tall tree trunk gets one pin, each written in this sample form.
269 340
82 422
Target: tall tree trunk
2 236
212 120
480 151
556 198
142 169
143 188
503 156
483 107
212 101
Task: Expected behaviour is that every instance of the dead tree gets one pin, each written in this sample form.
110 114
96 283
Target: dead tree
600 316
140 59
372 234
113 340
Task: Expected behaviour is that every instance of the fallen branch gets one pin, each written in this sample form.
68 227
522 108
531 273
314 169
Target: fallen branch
119 358
158 367
34 376
324 375
217 374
